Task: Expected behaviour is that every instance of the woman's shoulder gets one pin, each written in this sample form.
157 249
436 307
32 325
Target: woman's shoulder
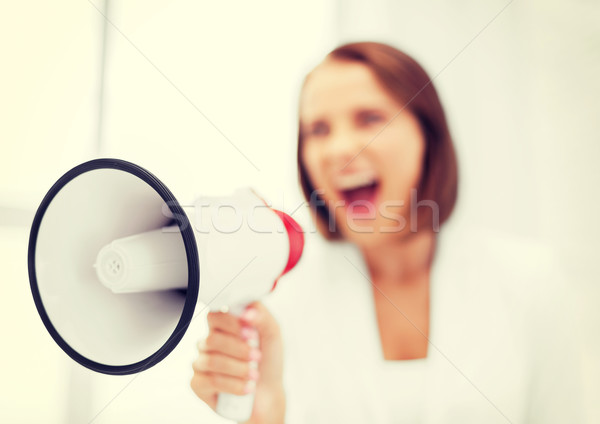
521 266
512 283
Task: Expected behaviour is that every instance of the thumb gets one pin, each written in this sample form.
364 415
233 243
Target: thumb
258 316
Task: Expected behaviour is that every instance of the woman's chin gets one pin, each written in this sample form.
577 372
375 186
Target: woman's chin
366 233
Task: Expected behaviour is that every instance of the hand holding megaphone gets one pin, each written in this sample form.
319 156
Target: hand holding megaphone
225 362
114 264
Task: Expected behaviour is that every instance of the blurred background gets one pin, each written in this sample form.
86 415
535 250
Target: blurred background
204 94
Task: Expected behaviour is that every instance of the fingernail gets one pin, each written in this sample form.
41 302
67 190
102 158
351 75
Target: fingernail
255 355
249 315
253 374
249 333
250 386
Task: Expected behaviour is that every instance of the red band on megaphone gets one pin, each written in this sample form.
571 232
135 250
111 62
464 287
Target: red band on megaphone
296 238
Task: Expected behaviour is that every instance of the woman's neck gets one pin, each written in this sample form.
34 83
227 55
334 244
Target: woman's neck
404 261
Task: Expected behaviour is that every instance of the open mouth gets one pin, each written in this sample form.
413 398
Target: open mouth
361 198
359 192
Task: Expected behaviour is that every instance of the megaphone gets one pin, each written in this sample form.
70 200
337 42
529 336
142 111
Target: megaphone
115 263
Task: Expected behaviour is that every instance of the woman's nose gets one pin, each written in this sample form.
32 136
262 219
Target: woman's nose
343 146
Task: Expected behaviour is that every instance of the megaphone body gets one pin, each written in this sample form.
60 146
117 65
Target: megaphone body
115 265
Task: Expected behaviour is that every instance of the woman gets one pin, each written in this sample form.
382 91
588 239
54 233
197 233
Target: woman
386 323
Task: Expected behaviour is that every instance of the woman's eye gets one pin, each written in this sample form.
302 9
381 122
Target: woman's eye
367 118
318 129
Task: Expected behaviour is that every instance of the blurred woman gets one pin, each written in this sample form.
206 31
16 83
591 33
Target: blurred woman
384 320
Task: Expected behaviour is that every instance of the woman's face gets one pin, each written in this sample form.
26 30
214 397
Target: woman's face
361 152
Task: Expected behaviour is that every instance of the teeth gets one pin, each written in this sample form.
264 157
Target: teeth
355 180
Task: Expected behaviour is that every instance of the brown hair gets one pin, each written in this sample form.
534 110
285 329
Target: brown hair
406 81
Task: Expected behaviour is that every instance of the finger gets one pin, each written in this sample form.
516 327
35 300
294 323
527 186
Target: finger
228 345
225 365
201 386
224 322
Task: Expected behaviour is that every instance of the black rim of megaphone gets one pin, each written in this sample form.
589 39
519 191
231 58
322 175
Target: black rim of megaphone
190 248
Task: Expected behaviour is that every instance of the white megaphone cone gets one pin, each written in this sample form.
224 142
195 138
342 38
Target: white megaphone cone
114 265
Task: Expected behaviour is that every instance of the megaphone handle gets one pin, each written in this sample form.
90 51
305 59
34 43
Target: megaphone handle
237 407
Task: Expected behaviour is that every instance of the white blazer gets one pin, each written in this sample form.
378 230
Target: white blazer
501 339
